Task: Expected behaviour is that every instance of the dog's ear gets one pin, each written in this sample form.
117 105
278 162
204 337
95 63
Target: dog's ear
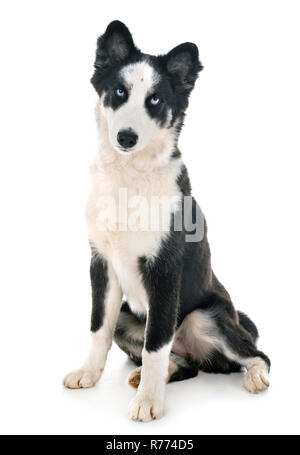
183 65
114 46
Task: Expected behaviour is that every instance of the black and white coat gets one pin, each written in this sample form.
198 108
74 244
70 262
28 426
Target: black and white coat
177 317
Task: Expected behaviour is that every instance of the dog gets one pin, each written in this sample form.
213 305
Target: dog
153 290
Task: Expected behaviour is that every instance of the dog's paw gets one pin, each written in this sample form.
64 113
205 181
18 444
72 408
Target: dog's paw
145 409
134 378
81 379
256 379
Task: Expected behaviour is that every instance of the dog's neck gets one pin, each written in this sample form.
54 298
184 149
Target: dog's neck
159 153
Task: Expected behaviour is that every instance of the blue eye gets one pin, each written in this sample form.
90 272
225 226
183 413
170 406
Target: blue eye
120 92
154 100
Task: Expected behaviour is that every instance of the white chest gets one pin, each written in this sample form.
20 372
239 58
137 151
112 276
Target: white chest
128 214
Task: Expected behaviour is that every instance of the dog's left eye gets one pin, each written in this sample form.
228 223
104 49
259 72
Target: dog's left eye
154 100
120 92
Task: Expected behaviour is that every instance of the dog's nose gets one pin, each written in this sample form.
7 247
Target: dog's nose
127 138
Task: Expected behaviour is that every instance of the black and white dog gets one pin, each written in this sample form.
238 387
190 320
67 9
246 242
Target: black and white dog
177 317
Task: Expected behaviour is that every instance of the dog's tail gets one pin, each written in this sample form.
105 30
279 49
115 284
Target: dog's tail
248 325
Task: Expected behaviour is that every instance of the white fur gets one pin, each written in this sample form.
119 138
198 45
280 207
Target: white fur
148 402
196 336
257 377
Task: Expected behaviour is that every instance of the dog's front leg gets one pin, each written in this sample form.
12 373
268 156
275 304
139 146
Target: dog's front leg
163 295
106 303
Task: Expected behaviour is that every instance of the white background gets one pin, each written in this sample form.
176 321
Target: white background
241 146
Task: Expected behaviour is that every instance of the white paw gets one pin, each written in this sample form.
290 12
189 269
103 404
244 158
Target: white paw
81 379
256 379
145 409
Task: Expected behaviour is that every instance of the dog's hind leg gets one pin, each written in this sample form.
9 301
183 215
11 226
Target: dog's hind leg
238 346
129 333
223 341
181 368
238 335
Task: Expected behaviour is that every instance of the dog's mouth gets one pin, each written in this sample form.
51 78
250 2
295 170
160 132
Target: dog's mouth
123 150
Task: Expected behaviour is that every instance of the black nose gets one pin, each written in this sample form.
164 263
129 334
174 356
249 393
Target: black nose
127 138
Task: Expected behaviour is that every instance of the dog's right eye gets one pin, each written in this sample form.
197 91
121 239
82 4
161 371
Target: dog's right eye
120 92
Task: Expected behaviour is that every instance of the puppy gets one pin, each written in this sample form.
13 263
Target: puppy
153 288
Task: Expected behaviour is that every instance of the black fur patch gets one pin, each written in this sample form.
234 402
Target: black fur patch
162 277
239 340
185 369
182 66
183 182
218 363
163 91
111 98
196 265
115 49
248 325
99 281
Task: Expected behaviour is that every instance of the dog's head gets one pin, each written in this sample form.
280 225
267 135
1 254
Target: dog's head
140 95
